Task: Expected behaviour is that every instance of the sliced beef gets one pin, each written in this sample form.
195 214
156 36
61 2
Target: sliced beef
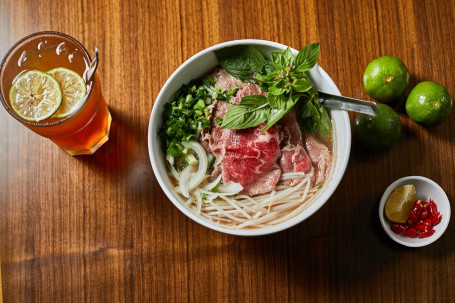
247 156
248 89
295 159
291 129
224 80
318 152
264 184
220 107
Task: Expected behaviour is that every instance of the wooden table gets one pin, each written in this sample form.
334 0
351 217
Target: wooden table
100 229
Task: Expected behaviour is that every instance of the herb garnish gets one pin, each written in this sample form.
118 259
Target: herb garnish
184 116
285 81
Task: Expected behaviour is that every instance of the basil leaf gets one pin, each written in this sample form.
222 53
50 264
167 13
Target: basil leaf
264 87
252 111
277 114
276 90
253 101
325 125
276 59
302 85
276 101
289 57
269 68
270 77
310 117
241 61
283 59
307 57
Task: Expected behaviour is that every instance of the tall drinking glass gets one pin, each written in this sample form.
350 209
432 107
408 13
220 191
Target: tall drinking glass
87 127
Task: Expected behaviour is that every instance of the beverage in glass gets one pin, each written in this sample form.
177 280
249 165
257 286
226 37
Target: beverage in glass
86 127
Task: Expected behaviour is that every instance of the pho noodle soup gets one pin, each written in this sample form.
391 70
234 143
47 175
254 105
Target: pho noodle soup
249 149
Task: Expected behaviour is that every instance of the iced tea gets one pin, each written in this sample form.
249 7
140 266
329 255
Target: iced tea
87 127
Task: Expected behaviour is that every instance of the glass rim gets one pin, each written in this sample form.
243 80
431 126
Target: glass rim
9 52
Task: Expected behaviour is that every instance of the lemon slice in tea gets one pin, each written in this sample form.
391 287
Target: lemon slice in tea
35 96
400 202
73 88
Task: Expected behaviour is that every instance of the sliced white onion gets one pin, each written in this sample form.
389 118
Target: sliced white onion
198 177
212 184
170 159
174 172
184 181
230 187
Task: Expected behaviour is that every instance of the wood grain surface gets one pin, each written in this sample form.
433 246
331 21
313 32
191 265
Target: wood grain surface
100 229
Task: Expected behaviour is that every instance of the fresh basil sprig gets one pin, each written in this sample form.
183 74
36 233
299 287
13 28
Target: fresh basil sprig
285 81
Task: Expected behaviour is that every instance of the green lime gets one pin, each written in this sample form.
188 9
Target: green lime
73 88
378 132
429 103
400 202
35 96
386 79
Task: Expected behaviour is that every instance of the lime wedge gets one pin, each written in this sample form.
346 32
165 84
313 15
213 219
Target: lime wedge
73 88
400 202
35 96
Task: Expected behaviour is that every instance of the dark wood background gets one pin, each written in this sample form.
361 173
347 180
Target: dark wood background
99 228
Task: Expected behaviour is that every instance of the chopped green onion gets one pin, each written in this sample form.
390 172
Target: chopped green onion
187 113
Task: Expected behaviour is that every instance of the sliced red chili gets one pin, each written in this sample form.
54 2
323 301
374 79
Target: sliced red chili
436 219
427 222
421 227
411 232
398 228
432 207
427 233
423 214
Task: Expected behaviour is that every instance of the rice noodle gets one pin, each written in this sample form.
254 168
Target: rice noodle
321 173
241 211
295 175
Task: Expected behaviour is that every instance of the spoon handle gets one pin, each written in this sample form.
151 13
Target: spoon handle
346 103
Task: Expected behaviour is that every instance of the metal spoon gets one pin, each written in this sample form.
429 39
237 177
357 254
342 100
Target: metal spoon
346 103
93 66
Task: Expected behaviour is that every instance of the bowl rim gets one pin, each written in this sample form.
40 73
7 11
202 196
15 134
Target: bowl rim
344 123
386 223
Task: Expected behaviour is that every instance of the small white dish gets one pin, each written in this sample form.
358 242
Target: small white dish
426 189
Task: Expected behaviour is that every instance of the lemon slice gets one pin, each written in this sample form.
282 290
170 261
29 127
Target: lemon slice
400 202
35 96
73 88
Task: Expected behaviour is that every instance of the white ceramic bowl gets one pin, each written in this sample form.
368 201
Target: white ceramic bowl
426 190
202 64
